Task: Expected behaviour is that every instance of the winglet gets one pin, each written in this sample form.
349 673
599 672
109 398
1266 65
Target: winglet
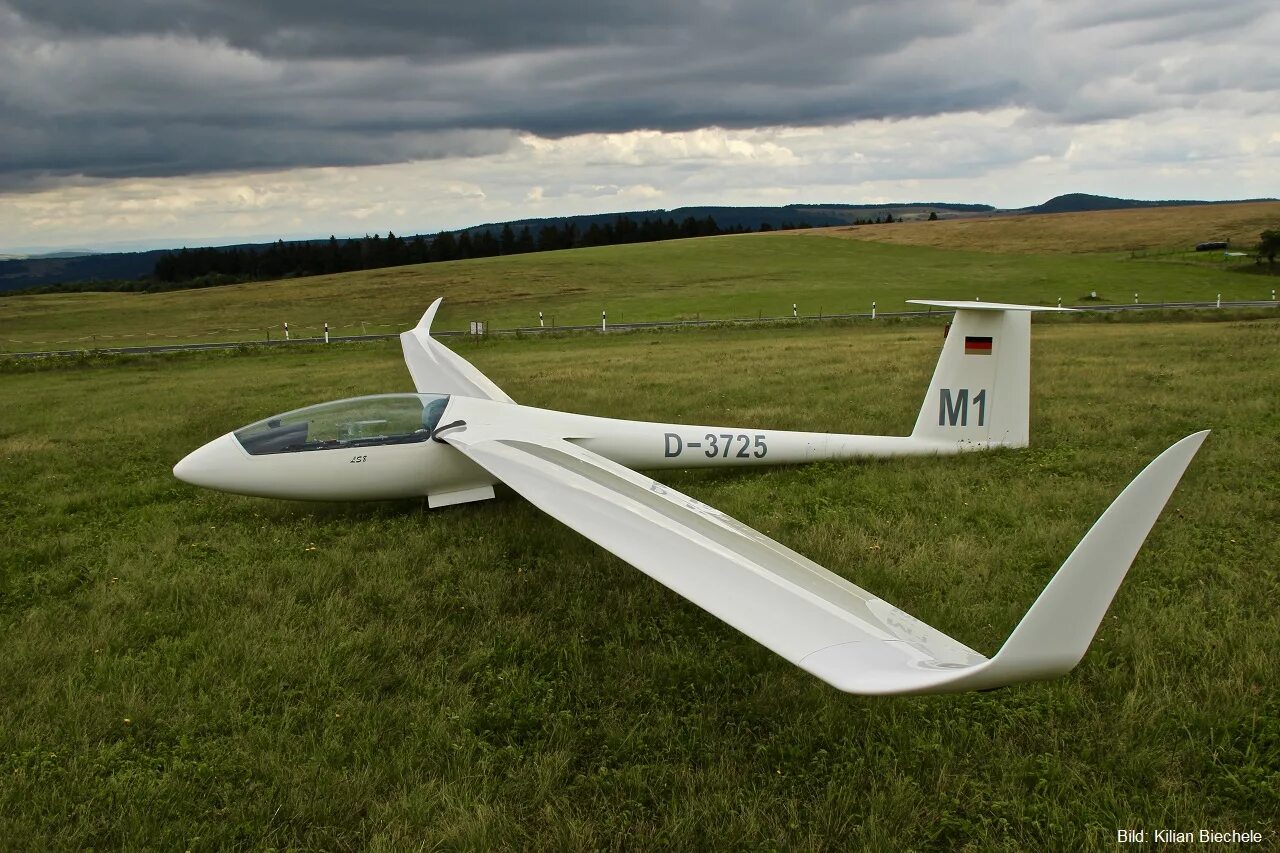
439 370
424 325
1057 630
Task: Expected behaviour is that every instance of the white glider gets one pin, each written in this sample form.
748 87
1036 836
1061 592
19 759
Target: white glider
460 435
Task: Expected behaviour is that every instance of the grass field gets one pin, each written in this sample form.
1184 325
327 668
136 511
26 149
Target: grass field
710 278
185 669
1091 232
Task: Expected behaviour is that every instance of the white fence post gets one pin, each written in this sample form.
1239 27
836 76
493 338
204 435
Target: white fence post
604 321
1059 301
795 314
1135 297
326 333
873 310
541 325
286 331
1219 305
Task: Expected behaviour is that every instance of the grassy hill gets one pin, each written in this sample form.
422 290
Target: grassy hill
718 277
1088 232
22 272
18 273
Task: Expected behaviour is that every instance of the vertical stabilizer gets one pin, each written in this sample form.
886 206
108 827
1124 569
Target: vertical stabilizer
980 394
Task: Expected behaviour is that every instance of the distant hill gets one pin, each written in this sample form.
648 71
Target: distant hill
66 253
20 273
728 217
56 268
23 273
1080 202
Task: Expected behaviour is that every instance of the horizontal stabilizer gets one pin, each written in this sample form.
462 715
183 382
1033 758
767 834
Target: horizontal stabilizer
984 306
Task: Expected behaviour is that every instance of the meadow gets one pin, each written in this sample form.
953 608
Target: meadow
727 277
185 669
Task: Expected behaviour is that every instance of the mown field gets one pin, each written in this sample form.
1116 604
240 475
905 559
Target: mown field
184 669
1140 229
711 278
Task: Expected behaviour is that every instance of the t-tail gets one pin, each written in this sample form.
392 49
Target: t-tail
980 395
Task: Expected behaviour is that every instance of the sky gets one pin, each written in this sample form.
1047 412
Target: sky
152 123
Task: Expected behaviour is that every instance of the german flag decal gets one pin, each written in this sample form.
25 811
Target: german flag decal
977 346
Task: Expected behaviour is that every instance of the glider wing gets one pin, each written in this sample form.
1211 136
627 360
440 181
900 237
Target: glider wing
436 369
817 620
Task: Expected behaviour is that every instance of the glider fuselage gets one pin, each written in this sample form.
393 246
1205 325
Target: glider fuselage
390 445
365 457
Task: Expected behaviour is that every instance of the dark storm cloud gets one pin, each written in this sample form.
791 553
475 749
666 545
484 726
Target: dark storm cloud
410 28
164 87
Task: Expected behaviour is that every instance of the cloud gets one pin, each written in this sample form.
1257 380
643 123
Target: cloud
1003 157
187 120
138 88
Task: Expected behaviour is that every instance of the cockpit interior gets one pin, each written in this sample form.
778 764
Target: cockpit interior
371 421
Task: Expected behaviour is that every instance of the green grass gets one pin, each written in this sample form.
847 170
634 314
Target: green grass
185 669
711 278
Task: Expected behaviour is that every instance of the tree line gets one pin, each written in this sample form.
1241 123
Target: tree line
286 260
210 267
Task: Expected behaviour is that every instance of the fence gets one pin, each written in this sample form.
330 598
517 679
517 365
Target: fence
287 333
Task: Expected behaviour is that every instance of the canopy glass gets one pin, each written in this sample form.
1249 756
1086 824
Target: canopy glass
355 422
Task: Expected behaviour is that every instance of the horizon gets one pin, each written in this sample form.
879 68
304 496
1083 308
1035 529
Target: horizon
176 243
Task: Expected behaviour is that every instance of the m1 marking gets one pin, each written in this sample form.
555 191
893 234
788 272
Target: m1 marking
953 410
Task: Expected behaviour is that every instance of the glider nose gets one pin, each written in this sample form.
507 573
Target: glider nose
212 466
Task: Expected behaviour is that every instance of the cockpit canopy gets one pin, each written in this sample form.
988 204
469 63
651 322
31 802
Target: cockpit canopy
356 422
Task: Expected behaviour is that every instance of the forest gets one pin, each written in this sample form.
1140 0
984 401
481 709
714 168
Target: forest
292 260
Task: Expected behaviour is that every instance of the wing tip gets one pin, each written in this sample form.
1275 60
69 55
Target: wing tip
1058 629
1055 634
892 668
